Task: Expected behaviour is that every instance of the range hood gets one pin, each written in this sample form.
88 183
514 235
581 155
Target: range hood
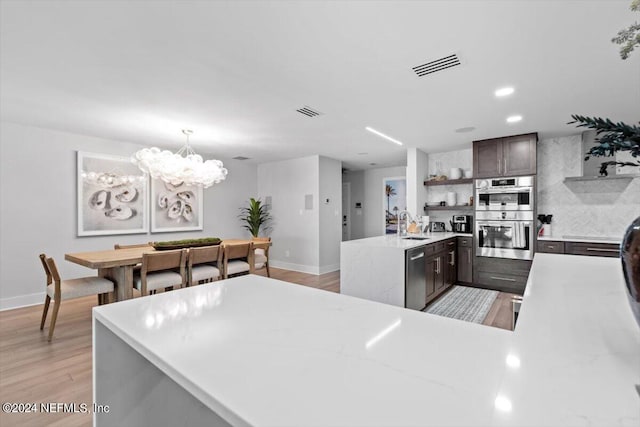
591 167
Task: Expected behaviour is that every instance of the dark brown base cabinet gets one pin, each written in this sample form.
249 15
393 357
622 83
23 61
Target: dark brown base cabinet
579 248
508 156
440 267
465 260
506 275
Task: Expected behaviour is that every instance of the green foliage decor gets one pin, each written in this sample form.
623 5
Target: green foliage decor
206 241
255 217
629 38
612 137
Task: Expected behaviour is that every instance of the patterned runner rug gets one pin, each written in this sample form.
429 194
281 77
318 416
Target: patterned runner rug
464 303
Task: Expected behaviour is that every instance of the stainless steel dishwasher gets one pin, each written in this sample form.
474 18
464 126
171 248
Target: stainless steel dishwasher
415 280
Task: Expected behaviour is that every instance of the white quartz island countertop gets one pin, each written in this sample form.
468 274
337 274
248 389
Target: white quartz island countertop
374 268
262 352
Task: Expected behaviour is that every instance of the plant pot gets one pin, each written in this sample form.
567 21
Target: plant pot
630 255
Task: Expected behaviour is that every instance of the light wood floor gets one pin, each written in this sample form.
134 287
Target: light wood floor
33 370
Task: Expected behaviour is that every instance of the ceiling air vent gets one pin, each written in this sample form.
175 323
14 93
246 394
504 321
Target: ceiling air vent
437 65
240 158
308 111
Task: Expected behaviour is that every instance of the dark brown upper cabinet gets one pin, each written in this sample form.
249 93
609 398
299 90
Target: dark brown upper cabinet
508 156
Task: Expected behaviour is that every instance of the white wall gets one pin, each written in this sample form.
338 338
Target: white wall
589 208
38 207
330 214
295 230
306 240
417 172
373 203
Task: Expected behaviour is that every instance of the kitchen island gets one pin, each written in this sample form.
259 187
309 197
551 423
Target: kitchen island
374 268
258 351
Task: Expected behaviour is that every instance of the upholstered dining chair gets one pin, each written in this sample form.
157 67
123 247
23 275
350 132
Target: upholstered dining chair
261 253
204 264
161 270
237 258
58 290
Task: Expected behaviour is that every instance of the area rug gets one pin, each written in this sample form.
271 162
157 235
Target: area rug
464 303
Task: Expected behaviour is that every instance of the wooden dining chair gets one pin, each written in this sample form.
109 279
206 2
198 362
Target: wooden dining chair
58 290
161 270
117 246
204 264
261 253
237 259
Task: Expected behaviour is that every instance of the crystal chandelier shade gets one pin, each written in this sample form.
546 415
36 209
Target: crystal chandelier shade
183 167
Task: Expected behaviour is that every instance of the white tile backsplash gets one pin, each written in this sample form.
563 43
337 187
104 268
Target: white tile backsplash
584 208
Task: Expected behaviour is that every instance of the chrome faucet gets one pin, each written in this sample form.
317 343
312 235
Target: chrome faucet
402 225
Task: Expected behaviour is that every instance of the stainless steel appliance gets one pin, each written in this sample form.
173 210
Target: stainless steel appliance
506 234
437 226
416 277
462 223
505 194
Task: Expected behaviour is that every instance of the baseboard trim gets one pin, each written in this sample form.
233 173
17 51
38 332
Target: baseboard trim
21 301
311 269
329 268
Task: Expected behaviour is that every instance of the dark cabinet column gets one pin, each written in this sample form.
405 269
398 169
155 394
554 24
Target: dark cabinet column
508 156
519 155
487 158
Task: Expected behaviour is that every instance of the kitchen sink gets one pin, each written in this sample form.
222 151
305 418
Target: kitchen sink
416 238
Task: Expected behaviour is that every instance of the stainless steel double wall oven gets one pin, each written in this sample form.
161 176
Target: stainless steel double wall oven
504 217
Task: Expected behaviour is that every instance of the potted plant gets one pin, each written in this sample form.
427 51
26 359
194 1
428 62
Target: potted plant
255 217
612 138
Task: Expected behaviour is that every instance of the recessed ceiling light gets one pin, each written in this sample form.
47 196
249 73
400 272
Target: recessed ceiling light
514 119
464 130
362 154
372 130
504 91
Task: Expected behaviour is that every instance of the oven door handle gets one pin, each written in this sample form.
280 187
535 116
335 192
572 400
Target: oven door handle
504 190
505 223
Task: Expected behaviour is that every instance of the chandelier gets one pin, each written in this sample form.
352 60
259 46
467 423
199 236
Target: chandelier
184 167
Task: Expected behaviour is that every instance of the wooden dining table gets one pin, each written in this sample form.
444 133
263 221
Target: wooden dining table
118 264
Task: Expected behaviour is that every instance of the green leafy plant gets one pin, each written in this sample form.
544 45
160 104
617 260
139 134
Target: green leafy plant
185 243
629 38
255 216
612 138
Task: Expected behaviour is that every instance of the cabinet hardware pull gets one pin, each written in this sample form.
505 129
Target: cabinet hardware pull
453 261
503 278
499 167
413 258
602 250
505 165
437 260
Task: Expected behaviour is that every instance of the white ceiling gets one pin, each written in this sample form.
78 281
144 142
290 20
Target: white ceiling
235 72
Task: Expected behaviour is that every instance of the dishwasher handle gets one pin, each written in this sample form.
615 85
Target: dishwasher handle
420 255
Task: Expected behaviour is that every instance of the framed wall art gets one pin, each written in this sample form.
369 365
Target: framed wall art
394 201
112 195
175 208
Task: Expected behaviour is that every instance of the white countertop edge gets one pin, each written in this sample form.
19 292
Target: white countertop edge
206 398
595 239
393 241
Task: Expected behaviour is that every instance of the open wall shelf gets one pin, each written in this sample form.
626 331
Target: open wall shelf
450 181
